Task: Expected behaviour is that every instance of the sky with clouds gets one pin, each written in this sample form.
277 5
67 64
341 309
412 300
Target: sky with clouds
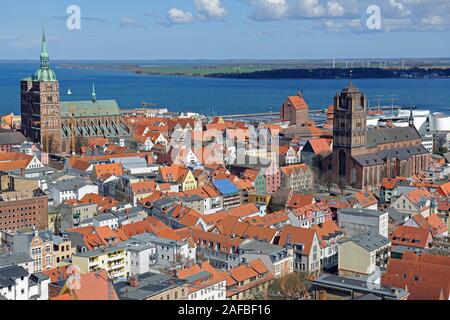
226 29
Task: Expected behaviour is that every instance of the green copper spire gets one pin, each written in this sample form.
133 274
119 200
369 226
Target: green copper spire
44 51
44 73
93 95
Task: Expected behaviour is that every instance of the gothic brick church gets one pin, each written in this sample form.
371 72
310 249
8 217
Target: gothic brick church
63 127
363 156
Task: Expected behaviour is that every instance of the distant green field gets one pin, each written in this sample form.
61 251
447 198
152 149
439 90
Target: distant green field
201 70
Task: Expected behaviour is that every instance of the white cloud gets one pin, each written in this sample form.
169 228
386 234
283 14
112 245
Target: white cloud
295 9
268 9
335 9
177 16
349 15
402 10
343 26
210 8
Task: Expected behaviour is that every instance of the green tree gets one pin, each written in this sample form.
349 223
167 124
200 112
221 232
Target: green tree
291 287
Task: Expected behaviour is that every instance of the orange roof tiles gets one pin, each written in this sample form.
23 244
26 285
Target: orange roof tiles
301 200
151 198
150 225
364 198
95 237
95 286
269 219
213 278
112 169
56 274
294 168
444 189
243 210
298 102
78 164
437 225
427 277
296 235
417 196
143 187
64 297
243 273
104 203
321 145
231 226
173 173
411 236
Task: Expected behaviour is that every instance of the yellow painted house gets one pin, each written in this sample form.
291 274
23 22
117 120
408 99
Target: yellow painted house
189 182
112 259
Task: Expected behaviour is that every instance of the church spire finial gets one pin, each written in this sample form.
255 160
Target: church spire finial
93 95
44 50
351 76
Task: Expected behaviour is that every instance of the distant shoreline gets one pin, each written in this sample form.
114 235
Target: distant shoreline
271 72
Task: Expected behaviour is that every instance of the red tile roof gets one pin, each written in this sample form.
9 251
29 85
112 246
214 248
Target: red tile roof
295 235
411 236
321 145
110 169
444 189
78 164
298 102
301 200
426 277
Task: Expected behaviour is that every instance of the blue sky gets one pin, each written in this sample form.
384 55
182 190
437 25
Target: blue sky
226 29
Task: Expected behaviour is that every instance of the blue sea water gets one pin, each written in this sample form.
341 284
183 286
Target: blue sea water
221 96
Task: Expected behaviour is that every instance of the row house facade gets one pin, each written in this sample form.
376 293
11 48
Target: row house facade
297 177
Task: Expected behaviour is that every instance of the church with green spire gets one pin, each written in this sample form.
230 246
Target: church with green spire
64 126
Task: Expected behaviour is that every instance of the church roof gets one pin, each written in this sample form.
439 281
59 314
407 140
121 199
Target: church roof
89 108
351 88
368 160
390 135
403 153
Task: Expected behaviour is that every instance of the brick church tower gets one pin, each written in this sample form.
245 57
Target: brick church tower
40 105
349 132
